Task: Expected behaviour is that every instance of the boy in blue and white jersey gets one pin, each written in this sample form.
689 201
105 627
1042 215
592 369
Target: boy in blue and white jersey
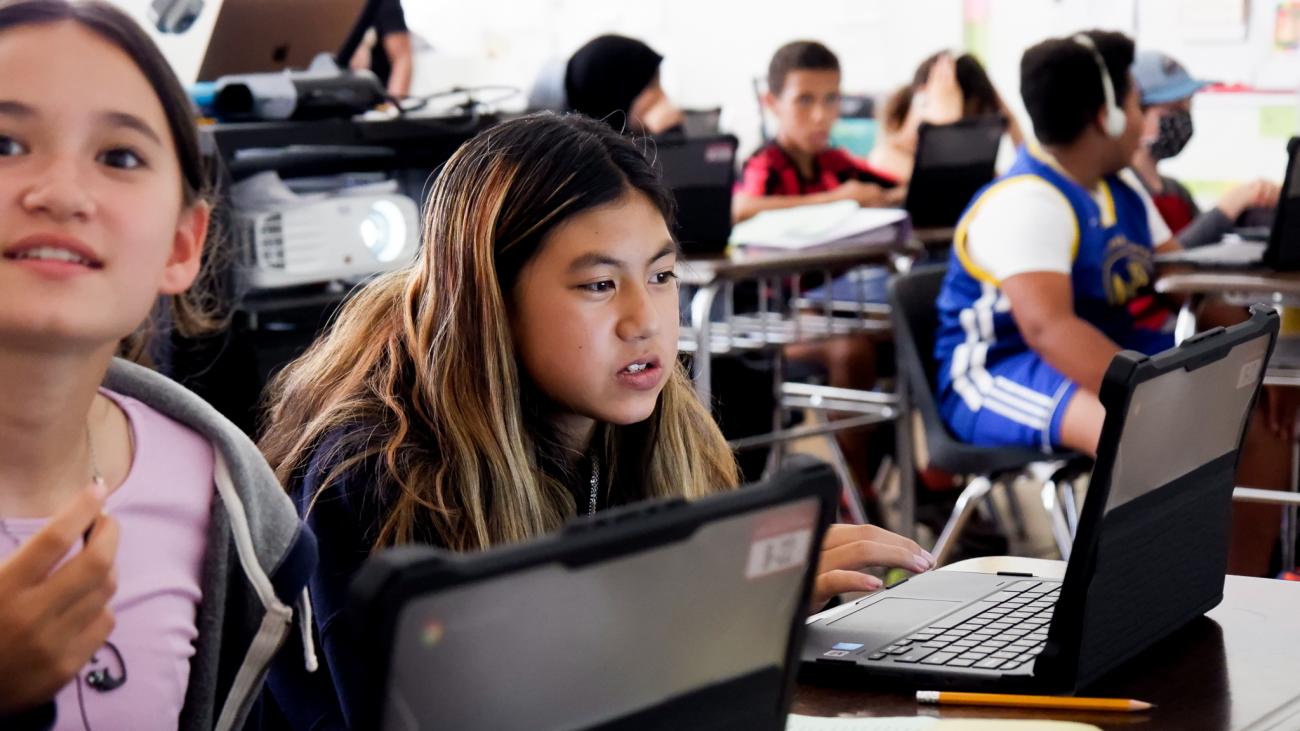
1047 257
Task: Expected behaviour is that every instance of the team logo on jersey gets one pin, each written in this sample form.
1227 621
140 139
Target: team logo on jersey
1126 269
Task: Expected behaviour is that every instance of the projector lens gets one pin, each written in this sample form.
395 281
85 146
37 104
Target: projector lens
384 231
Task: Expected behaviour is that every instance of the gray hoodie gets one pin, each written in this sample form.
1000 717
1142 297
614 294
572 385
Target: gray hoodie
259 558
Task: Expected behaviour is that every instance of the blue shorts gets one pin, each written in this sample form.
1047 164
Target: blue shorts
1019 401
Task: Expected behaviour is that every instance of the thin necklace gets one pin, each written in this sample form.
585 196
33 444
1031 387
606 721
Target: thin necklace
98 479
95 474
595 483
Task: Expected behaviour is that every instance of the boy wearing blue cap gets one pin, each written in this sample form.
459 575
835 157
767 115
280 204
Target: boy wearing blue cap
1166 91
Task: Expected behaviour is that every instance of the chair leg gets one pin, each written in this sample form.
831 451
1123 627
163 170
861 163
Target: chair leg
1060 529
966 502
775 456
1013 506
776 453
853 509
989 508
850 497
1065 488
1290 529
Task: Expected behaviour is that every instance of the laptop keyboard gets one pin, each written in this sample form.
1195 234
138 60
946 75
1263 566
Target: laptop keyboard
1003 637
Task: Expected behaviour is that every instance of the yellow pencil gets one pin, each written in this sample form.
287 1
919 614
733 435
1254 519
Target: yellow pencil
935 697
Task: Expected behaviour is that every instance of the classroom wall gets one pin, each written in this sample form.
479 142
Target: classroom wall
714 49
1239 135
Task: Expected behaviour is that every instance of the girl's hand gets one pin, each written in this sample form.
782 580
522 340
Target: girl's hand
53 619
942 93
847 549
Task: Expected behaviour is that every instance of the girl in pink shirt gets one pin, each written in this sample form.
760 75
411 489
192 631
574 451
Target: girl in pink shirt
134 521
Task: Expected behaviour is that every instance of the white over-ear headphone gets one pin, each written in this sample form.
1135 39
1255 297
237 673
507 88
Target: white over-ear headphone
1116 120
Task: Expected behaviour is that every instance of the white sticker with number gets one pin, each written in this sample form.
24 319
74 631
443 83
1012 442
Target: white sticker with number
1249 374
778 553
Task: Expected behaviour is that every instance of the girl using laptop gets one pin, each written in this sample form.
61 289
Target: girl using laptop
523 370
122 495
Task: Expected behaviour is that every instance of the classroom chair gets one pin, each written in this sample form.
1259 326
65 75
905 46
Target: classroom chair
912 301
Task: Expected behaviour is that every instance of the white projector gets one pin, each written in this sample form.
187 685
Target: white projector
340 237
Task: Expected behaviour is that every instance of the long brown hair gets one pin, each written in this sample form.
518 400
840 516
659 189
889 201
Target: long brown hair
419 371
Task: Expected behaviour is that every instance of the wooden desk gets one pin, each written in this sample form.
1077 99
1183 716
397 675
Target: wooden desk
740 264
1240 287
934 239
1237 668
1261 286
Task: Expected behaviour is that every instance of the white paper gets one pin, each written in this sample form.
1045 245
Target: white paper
806 226
795 722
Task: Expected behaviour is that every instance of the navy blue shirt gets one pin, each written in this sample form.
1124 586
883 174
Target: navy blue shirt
347 517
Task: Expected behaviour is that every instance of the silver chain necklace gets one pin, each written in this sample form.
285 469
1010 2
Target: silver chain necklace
94 460
595 484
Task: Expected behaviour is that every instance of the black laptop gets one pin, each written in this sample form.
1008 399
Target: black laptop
701 172
664 615
1280 252
953 161
1149 557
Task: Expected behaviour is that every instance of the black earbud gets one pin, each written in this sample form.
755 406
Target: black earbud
101 679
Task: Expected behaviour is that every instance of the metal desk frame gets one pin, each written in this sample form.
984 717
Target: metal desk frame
785 317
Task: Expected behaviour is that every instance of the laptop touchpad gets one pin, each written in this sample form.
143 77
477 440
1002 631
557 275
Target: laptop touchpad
893 614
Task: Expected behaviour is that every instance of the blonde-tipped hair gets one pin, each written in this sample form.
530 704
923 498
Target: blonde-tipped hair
419 374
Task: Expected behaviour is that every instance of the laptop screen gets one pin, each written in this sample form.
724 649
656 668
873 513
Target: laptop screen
1152 545
254 36
1151 454
700 172
1284 239
558 646
953 161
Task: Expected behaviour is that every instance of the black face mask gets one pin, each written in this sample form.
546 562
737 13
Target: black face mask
1175 131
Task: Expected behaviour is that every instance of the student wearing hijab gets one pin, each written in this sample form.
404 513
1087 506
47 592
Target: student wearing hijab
616 79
